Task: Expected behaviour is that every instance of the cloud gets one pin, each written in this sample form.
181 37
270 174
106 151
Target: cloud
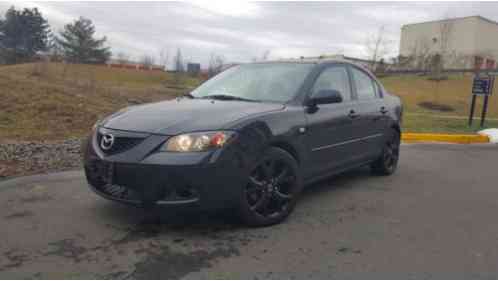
203 44
215 31
54 15
394 14
229 8
241 31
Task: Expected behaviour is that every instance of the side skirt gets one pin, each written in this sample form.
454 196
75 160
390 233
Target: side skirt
336 172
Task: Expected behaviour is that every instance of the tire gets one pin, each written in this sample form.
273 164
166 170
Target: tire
272 189
387 163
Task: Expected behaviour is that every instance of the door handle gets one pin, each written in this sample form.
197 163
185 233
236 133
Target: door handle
352 114
383 110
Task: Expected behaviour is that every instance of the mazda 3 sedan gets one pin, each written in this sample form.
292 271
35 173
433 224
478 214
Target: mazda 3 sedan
248 139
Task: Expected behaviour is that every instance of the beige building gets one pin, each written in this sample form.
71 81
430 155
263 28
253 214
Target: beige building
462 42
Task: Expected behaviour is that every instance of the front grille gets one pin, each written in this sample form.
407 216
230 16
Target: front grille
137 184
121 144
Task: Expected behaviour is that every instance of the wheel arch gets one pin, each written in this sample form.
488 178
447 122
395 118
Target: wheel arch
396 127
289 148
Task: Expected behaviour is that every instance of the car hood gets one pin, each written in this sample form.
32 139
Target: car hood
184 115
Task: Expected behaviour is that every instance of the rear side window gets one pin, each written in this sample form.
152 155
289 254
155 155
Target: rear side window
364 85
334 78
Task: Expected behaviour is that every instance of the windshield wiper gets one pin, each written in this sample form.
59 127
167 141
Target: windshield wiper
227 97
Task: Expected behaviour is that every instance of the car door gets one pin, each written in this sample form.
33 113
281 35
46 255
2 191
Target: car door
371 113
331 128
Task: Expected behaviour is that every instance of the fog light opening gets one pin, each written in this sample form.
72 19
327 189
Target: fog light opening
165 193
186 192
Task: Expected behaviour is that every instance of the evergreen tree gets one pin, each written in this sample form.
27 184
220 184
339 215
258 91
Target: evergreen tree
54 50
22 35
79 45
2 38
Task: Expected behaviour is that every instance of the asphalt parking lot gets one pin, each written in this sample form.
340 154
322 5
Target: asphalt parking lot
435 218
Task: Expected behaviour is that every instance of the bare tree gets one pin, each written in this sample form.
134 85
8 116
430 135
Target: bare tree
445 34
216 63
122 58
442 56
422 53
178 76
147 60
178 60
164 57
377 46
265 55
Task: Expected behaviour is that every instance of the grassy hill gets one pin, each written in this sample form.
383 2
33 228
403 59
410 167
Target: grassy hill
52 101
47 101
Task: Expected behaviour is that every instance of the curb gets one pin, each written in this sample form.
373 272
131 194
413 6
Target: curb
463 139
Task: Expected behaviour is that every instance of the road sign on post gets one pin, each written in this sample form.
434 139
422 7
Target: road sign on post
482 85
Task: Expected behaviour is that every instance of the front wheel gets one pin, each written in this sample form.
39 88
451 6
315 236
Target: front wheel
387 163
272 189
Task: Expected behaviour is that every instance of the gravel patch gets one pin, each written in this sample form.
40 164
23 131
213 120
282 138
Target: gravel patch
24 158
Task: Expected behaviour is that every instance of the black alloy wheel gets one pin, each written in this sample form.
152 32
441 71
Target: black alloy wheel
272 189
388 161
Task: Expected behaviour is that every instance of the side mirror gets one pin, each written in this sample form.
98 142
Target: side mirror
325 97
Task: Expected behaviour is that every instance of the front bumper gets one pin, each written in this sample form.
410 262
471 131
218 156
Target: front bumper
209 180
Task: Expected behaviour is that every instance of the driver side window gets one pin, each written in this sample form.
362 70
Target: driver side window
334 78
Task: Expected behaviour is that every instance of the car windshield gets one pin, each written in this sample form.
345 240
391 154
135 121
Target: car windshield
274 82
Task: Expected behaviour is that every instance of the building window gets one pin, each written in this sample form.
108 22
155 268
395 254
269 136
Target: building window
478 62
490 64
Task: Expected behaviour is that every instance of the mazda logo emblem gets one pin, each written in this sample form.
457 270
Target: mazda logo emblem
107 141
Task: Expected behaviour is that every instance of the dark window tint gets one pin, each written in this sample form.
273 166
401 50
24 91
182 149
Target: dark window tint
334 78
364 85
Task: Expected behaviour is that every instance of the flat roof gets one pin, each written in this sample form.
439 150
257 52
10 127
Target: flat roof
453 19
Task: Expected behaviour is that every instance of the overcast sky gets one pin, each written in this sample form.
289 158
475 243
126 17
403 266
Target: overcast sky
241 31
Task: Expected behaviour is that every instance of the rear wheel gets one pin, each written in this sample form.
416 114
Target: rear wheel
272 189
387 163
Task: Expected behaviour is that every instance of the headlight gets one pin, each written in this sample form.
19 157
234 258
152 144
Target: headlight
195 142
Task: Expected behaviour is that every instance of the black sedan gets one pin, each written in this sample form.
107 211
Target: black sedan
248 139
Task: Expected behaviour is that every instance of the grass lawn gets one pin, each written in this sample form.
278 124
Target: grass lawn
52 101
454 92
427 124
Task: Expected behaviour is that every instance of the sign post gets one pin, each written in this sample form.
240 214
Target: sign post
484 110
481 86
472 107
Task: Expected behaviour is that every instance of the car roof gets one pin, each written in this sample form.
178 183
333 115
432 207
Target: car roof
301 60
317 61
